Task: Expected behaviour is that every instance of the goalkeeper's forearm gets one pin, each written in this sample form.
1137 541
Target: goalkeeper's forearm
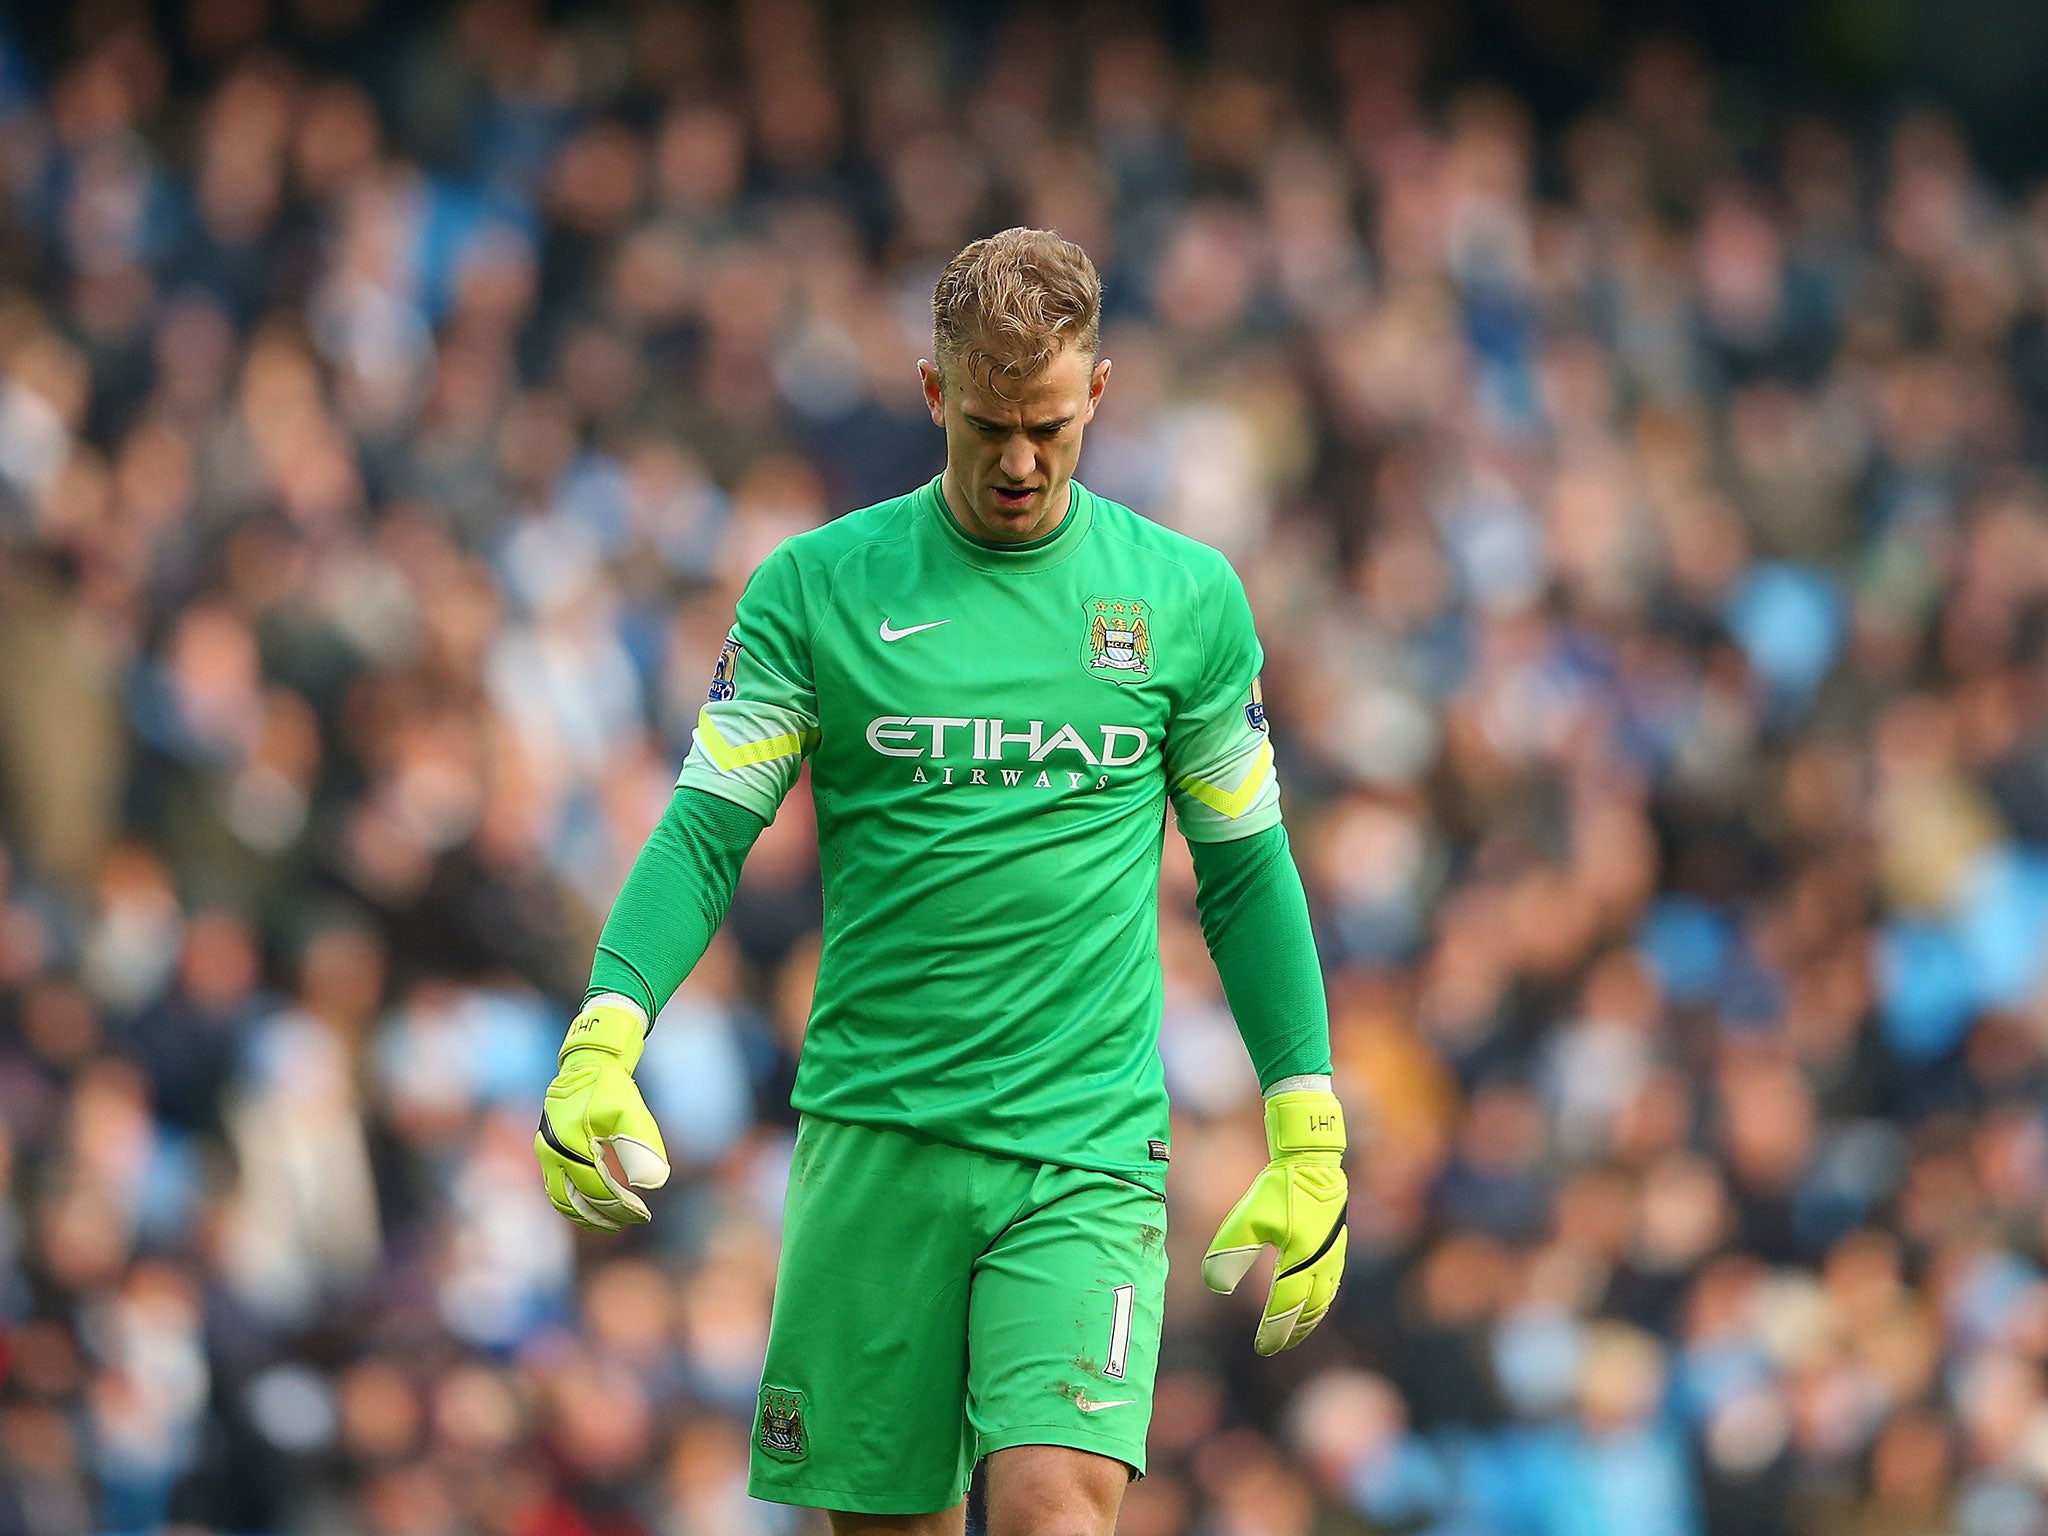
1255 919
674 899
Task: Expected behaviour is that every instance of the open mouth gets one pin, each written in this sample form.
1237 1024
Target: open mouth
1013 499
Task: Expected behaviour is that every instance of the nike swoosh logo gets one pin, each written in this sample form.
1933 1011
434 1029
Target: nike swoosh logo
1081 1402
898 634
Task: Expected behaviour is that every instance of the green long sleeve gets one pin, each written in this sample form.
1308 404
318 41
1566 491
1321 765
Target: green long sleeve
674 898
1255 918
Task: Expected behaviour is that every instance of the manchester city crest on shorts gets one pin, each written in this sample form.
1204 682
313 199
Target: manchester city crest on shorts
1119 639
782 1430
721 675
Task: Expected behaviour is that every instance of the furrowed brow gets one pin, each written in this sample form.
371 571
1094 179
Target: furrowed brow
983 424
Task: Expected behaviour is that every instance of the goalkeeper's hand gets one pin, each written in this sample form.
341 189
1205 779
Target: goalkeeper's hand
1297 1207
597 1143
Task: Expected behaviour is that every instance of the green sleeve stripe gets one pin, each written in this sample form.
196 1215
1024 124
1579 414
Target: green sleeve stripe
1234 803
726 757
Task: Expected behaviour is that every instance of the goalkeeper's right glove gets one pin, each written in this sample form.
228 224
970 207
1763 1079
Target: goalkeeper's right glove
597 1143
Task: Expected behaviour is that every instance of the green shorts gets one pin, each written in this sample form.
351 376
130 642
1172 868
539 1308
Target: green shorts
935 1304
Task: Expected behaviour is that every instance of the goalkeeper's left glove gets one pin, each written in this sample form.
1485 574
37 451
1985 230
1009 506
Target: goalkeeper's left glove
597 1142
1297 1207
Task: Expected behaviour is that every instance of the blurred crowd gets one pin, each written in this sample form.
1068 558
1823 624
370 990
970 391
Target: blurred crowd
1645 519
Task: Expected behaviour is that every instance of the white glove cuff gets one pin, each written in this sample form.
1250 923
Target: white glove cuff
1301 1082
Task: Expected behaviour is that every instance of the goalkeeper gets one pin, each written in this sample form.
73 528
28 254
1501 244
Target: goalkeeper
999 681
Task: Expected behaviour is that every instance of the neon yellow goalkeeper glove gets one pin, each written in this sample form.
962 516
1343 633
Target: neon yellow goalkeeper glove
597 1143
1297 1207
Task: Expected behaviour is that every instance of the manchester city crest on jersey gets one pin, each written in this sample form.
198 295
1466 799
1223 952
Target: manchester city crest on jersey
782 1431
722 674
1119 639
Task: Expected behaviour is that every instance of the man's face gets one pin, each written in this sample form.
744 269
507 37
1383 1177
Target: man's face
1009 457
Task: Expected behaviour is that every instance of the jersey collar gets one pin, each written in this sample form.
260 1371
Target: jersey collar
1041 552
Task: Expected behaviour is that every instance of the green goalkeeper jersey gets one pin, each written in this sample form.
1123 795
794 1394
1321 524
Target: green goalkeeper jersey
993 733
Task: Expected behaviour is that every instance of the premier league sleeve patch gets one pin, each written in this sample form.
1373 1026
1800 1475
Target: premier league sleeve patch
722 674
1255 712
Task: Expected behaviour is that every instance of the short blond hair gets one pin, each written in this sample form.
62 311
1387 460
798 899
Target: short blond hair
1007 304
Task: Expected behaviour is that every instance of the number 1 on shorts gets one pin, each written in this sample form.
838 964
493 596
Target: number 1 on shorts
1119 1332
